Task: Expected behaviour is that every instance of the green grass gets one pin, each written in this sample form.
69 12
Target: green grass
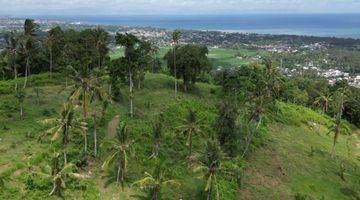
287 167
217 56
281 169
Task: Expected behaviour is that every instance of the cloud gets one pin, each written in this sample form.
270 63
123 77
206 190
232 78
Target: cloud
88 7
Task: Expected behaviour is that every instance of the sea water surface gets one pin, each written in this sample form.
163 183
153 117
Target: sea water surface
336 25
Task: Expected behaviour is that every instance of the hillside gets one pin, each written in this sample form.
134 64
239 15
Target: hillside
293 162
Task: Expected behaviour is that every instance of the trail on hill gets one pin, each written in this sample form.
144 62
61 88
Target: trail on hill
112 126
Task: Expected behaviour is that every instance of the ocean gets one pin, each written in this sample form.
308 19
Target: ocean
334 25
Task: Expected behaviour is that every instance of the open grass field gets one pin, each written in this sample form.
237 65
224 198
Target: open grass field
294 163
217 56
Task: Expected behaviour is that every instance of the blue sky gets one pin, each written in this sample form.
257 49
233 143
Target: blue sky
176 7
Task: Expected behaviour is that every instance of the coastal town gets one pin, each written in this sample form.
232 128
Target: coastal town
272 44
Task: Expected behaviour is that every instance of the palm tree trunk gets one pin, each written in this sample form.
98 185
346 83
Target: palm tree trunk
54 188
118 172
85 142
21 111
95 138
209 194
131 85
190 144
15 78
51 63
175 72
249 139
65 155
26 72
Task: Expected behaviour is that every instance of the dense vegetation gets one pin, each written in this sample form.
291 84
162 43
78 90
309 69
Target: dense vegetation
111 128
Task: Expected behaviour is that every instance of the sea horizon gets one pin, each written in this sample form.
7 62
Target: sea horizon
319 24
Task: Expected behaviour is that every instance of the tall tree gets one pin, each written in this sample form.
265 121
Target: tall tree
53 44
100 39
12 50
192 126
58 175
120 149
156 136
226 125
191 61
338 103
175 40
28 45
154 182
132 64
209 163
63 126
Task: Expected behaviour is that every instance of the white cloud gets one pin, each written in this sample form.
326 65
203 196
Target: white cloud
87 7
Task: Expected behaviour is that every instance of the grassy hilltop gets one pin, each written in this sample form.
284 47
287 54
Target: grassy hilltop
292 161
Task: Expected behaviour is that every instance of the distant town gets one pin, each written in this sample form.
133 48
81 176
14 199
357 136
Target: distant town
287 48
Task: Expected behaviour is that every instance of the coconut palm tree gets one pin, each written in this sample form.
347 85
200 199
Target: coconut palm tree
57 174
28 45
154 51
192 126
119 152
323 101
209 163
129 41
338 101
100 38
63 126
11 49
154 182
50 43
156 136
175 40
86 89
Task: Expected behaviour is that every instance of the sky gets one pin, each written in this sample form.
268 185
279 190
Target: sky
175 7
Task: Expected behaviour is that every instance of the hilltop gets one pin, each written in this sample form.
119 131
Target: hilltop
292 160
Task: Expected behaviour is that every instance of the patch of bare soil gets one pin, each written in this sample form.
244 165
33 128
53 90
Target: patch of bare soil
112 126
265 174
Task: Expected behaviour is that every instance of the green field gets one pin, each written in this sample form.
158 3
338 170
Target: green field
217 56
294 162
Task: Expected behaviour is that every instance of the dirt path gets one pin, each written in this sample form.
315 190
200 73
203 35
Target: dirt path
112 126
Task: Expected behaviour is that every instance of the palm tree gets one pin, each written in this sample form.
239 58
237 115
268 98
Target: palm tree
210 164
323 101
4 68
50 42
120 149
86 89
154 182
175 40
154 50
28 45
12 50
58 175
63 126
82 89
129 41
339 101
100 38
157 136
192 126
